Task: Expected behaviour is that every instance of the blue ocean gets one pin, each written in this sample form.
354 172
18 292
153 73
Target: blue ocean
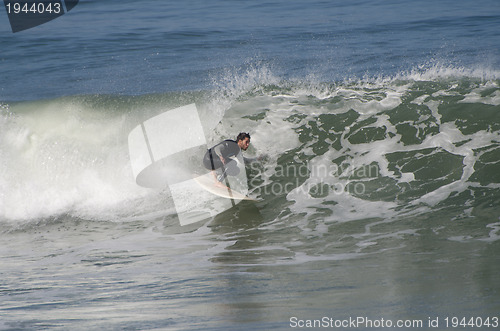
375 204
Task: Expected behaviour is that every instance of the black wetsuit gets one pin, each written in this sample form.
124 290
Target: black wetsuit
225 149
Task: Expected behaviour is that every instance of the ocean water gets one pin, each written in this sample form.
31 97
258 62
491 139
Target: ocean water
377 204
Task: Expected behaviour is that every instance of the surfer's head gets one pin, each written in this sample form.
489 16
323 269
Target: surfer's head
243 140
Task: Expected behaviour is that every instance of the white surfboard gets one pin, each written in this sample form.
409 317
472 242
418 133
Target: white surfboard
209 183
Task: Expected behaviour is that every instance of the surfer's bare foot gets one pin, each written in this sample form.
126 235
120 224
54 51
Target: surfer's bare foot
219 184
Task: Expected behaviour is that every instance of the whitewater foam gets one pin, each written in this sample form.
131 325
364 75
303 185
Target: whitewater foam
62 158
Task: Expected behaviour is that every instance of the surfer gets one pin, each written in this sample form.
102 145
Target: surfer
219 158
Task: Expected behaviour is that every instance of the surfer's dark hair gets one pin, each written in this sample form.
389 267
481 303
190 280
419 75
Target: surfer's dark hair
242 136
